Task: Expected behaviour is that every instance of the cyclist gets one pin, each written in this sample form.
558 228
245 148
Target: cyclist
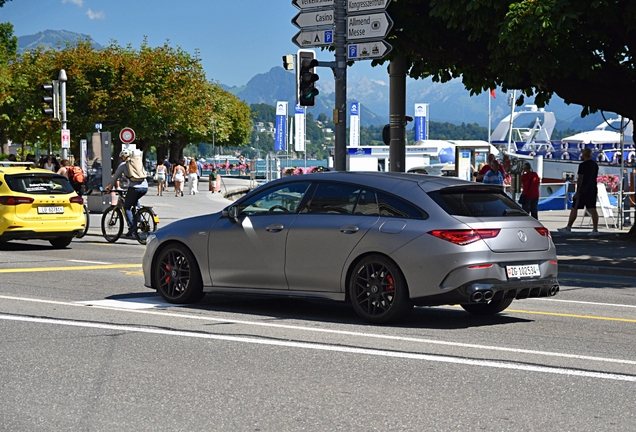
136 189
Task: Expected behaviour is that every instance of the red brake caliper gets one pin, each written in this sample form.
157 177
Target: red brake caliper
390 280
168 272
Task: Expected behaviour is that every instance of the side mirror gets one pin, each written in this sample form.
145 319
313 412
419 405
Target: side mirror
231 213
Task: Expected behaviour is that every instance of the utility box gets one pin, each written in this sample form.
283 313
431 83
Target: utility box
99 167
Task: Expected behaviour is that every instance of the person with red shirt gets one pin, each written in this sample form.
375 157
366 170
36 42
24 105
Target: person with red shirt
482 172
530 193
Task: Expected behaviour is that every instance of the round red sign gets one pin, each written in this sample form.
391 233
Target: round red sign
127 135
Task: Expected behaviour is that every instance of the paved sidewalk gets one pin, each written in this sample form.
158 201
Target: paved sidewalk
608 253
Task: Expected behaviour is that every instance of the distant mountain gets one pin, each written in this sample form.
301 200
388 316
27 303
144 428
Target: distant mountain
280 85
52 39
449 102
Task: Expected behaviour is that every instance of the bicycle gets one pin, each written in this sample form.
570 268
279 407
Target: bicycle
144 219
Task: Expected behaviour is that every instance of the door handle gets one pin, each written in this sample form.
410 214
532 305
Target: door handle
349 229
275 227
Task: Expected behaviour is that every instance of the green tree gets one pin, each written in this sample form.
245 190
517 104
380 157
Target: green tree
162 93
580 50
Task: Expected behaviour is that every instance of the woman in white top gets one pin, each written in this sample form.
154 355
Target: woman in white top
178 176
49 165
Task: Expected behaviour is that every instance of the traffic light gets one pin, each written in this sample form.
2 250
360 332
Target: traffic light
52 99
288 62
306 90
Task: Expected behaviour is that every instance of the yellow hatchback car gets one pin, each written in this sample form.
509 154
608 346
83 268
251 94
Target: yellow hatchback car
38 204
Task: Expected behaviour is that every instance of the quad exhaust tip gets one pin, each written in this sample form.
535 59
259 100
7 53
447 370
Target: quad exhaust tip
481 296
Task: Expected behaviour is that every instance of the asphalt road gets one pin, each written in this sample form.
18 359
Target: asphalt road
84 346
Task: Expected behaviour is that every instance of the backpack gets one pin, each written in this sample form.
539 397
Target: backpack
135 168
75 174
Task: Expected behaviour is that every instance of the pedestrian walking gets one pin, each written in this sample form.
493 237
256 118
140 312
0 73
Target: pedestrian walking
193 176
161 177
178 176
168 166
586 192
530 182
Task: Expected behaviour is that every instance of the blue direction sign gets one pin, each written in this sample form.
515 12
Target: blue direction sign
315 38
312 4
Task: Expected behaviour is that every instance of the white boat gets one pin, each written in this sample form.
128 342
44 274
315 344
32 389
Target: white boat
561 159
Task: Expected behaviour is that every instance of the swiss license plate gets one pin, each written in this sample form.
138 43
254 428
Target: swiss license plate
523 271
51 210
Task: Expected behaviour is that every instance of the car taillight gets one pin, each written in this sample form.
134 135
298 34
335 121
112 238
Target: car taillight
11 200
464 237
544 232
77 200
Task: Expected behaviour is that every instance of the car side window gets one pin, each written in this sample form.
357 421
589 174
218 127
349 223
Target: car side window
282 199
367 204
334 198
390 205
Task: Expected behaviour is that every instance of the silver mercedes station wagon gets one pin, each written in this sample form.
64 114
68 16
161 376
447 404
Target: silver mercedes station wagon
384 242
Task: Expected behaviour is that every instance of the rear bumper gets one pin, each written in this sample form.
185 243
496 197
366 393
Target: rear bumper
34 235
491 290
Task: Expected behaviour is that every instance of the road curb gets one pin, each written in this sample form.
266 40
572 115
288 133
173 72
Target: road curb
602 270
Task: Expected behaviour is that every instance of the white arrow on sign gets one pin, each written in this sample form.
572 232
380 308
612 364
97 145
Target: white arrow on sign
312 4
354 6
368 50
313 38
314 19
370 26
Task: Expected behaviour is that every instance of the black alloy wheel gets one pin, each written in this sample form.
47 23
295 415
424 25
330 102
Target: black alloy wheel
177 276
378 291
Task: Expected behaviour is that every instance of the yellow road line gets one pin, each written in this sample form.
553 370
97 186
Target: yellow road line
565 315
45 269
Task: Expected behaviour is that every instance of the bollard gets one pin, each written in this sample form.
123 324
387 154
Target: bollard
627 211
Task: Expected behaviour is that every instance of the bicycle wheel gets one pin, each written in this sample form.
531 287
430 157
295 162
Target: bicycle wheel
146 224
112 224
86 223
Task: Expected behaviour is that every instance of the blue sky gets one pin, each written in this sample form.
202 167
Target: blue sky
237 39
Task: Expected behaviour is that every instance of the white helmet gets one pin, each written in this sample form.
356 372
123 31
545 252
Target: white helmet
124 152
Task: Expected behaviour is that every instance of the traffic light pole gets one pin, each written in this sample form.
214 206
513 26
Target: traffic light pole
340 75
62 79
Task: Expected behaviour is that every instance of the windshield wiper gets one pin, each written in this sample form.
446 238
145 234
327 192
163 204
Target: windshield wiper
514 212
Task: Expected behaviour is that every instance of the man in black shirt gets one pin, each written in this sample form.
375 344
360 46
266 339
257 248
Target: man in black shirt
586 191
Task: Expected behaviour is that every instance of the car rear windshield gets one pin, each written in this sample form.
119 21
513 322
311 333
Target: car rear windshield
476 201
39 184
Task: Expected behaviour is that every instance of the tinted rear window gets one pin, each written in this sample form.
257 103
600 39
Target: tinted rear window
475 202
39 184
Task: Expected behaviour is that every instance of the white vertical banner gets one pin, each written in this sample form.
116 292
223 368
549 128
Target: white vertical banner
354 122
299 117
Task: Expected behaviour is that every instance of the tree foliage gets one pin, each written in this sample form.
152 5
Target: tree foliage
580 50
162 93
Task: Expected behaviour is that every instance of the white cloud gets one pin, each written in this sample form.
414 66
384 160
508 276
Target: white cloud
94 15
79 3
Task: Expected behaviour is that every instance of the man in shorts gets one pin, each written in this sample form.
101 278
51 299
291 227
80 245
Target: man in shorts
586 191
